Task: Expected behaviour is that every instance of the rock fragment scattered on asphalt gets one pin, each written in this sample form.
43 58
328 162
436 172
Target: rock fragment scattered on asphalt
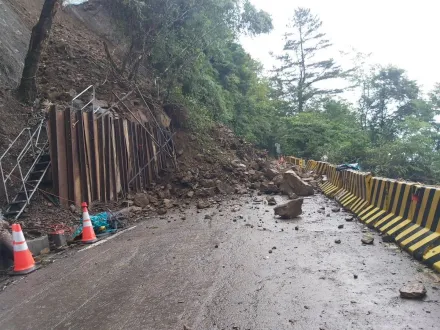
367 239
387 239
271 200
413 290
290 210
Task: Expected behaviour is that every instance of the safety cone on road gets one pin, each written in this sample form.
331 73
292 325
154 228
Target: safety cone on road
23 261
88 235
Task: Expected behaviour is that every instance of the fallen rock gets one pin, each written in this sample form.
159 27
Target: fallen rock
190 194
167 203
224 188
141 200
208 217
286 189
293 196
269 188
336 209
413 290
278 180
290 210
271 173
135 209
349 219
162 211
337 241
298 186
202 205
271 200
340 226
367 239
387 239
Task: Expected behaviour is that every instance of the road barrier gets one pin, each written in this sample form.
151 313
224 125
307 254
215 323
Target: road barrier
407 212
356 190
311 165
296 161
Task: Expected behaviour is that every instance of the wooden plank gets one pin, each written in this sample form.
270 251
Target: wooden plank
87 150
75 161
108 180
62 160
116 181
140 153
52 136
135 156
126 153
118 147
149 170
69 162
82 158
155 160
92 149
138 169
102 164
96 161
144 159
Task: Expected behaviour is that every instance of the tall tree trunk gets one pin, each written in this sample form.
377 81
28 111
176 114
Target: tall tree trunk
302 78
27 90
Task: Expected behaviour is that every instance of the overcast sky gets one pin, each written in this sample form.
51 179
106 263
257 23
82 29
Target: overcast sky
404 33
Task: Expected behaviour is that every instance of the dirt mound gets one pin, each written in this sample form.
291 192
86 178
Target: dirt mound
211 165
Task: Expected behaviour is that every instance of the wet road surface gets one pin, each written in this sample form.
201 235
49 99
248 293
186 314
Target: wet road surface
238 270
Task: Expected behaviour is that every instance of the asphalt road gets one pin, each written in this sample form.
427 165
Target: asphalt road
168 274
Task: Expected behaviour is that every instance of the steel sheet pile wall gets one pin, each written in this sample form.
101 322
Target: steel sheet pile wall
96 159
406 211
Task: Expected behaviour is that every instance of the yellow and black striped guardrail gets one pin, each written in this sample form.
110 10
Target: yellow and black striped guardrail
408 212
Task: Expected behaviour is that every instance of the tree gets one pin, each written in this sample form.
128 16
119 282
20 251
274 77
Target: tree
392 97
301 70
27 90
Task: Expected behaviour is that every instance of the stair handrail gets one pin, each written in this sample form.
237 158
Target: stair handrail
91 101
30 144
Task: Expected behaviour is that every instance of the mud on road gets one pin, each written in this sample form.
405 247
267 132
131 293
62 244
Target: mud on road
220 269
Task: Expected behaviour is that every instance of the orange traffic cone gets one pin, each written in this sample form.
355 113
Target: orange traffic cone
88 235
23 261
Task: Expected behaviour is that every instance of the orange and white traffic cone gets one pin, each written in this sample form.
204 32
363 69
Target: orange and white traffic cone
23 261
88 235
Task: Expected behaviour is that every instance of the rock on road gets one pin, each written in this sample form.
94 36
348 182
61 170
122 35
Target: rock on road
256 272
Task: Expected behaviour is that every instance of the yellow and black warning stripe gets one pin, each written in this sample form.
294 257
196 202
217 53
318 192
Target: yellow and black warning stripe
432 258
423 233
311 165
321 167
378 206
399 209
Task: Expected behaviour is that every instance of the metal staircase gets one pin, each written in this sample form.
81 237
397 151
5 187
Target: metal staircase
25 172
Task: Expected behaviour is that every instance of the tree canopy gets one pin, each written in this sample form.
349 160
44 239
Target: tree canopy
192 49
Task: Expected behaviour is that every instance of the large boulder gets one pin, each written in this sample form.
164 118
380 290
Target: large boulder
278 180
298 186
269 188
286 189
141 200
271 173
289 210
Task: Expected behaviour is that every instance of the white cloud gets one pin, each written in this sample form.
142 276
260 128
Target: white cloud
402 33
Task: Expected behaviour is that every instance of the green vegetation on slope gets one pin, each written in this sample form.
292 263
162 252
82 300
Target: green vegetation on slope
191 48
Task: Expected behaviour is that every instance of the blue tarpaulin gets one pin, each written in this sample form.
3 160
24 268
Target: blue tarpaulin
100 223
